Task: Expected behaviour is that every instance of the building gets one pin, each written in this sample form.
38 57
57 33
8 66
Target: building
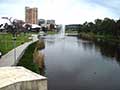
51 25
73 27
31 15
50 21
41 21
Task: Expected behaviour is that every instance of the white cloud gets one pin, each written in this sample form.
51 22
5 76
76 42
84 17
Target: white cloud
63 11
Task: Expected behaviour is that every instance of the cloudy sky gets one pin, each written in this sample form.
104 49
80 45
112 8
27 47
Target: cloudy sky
63 11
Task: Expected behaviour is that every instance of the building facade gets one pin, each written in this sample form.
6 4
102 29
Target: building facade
73 27
50 21
31 15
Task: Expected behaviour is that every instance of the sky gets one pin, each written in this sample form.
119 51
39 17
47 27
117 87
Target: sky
63 11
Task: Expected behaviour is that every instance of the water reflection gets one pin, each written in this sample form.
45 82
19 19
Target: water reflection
106 49
87 45
75 64
50 42
109 50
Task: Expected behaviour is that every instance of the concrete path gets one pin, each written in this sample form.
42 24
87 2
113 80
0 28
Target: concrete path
13 56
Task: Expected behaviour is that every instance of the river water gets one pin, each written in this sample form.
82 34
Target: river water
76 64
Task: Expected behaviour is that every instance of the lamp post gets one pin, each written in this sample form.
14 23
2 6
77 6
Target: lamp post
14 41
14 30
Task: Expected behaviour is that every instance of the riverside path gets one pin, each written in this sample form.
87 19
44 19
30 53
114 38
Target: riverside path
12 57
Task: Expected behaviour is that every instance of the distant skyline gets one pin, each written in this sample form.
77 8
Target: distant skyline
63 11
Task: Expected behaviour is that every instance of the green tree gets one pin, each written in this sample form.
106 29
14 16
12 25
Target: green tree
98 23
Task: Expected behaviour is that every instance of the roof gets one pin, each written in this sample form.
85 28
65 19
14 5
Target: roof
3 21
35 26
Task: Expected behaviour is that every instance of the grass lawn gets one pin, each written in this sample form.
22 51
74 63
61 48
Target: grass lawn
51 32
7 42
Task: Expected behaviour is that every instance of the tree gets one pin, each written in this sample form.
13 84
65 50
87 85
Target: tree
84 27
118 28
91 27
98 23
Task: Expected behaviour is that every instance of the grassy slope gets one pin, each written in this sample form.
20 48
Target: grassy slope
27 59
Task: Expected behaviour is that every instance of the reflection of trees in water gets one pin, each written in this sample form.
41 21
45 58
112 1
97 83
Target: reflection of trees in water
109 49
87 45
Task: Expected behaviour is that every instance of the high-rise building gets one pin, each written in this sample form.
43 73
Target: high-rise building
31 15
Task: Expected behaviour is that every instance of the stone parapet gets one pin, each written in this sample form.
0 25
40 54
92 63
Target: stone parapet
19 78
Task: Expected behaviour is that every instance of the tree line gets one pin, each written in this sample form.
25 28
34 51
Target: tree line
105 27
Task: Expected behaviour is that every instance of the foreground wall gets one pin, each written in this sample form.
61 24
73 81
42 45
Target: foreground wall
27 85
20 78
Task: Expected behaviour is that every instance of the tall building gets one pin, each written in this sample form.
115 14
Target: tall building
31 15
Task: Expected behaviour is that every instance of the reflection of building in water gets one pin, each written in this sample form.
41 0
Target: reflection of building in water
31 15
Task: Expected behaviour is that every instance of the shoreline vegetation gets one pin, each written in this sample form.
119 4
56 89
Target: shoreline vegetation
101 30
33 59
93 37
106 29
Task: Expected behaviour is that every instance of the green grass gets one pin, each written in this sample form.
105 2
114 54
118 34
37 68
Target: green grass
7 42
27 59
51 32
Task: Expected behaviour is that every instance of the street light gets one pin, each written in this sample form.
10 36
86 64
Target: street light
13 25
14 43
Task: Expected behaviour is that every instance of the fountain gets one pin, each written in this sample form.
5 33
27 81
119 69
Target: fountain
62 31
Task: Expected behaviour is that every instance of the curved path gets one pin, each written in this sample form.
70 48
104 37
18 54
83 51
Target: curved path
11 59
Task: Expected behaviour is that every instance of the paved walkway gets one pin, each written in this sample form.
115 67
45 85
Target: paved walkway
10 59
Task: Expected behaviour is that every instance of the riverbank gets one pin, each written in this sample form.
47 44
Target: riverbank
91 36
27 60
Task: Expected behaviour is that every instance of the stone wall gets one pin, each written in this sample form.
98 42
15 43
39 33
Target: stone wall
20 78
27 85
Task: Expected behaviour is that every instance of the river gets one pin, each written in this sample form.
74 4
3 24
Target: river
76 64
